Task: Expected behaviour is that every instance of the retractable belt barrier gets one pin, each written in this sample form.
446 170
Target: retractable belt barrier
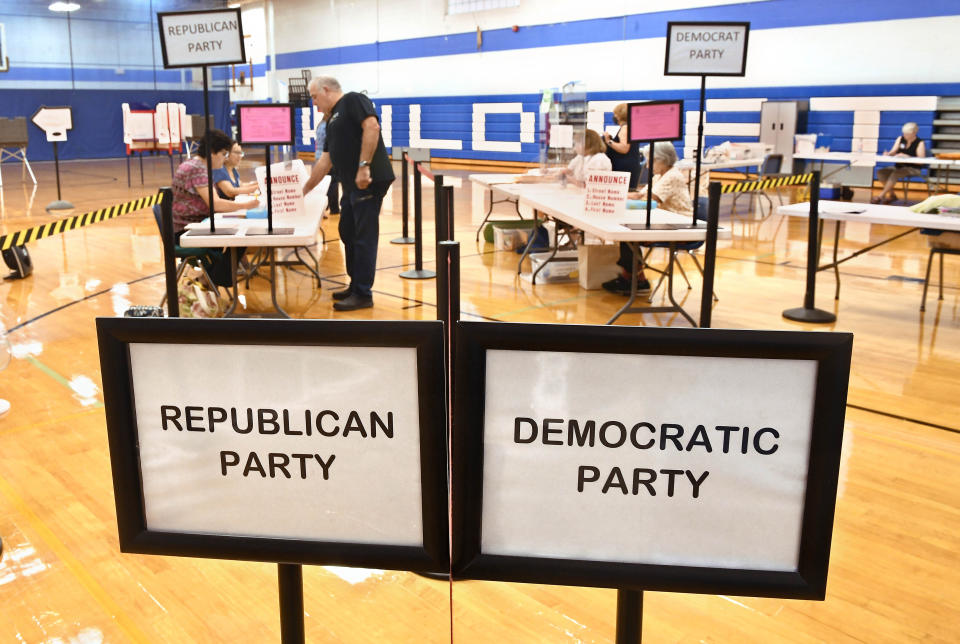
22 237
764 184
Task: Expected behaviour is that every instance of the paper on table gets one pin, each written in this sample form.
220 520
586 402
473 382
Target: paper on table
844 210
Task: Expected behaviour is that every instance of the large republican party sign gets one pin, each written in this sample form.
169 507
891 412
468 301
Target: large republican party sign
685 460
201 38
277 440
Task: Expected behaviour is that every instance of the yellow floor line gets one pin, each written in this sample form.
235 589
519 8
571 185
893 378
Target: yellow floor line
73 565
52 421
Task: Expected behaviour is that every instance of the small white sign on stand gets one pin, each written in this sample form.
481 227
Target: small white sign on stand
54 121
287 179
200 38
606 194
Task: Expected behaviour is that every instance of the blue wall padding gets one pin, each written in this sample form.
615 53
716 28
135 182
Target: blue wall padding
97 118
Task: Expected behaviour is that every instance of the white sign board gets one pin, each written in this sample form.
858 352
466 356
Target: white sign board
54 121
707 49
286 185
606 193
649 459
201 38
291 442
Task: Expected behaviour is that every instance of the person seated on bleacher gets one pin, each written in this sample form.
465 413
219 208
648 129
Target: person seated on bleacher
227 179
191 196
906 145
670 191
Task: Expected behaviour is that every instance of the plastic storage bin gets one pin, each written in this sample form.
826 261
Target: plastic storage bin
565 267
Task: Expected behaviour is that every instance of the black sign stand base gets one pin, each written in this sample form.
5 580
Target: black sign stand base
808 312
59 204
629 616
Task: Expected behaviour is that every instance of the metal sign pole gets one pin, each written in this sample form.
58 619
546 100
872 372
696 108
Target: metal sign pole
206 120
629 616
649 182
290 585
696 180
710 255
808 312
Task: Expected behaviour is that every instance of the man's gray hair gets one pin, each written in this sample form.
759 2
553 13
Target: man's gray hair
665 153
325 81
910 128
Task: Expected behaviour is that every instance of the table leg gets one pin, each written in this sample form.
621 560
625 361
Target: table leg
670 264
273 285
233 273
533 237
836 267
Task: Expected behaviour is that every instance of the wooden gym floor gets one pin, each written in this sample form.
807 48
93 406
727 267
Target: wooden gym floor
896 548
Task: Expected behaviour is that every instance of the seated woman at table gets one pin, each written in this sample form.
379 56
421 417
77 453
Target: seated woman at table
591 156
227 179
906 145
191 197
670 191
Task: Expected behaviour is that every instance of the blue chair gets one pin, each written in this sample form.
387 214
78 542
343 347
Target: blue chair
196 257
935 250
769 169
690 248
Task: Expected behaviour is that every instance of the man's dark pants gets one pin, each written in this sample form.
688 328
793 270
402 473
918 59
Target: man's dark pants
360 232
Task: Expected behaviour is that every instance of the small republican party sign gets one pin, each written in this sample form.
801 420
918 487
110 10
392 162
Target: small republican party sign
683 460
201 38
270 440
706 48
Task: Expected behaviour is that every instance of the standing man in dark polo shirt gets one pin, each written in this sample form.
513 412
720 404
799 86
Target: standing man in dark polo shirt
355 152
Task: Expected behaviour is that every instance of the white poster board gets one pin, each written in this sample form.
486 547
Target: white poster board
603 457
260 441
287 180
706 49
201 38
606 193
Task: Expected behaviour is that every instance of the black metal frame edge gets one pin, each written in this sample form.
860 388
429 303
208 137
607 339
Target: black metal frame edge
658 102
163 41
293 130
115 334
832 353
746 42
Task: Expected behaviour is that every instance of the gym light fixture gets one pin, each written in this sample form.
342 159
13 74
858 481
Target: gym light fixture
64 6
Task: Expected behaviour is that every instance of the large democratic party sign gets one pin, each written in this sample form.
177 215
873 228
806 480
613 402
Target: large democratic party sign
274 440
706 48
686 460
201 38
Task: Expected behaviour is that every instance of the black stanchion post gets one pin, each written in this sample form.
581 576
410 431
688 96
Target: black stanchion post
418 272
696 180
404 237
629 616
270 199
56 165
448 191
290 584
649 182
808 312
169 261
439 209
710 255
206 118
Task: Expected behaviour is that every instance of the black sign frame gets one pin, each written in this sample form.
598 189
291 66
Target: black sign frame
163 40
116 334
743 62
832 353
677 102
240 109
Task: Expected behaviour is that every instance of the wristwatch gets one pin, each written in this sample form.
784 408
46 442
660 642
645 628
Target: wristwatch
363 164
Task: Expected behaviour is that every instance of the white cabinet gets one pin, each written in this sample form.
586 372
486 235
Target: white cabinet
779 121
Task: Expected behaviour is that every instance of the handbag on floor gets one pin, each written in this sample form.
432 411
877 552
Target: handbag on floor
198 298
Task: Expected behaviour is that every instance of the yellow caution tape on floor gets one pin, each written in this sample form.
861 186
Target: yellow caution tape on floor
22 237
766 184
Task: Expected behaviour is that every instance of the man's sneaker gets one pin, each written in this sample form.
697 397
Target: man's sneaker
342 294
621 286
353 302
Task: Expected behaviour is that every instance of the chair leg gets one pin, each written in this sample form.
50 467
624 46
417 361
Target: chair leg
926 280
696 261
676 260
656 287
182 267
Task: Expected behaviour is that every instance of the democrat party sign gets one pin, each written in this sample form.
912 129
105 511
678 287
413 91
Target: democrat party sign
706 48
271 441
688 460
201 38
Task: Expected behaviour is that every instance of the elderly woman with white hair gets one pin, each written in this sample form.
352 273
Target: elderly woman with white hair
671 193
906 145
